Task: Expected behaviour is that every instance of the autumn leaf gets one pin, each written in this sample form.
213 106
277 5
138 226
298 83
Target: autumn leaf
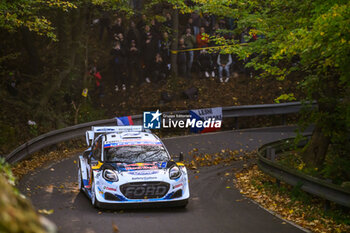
45 211
115 228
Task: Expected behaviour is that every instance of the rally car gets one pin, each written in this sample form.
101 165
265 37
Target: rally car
128 166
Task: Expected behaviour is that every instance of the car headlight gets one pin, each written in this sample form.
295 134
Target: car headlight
110 175
174 172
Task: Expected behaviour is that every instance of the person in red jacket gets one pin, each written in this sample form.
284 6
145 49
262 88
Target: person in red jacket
202 38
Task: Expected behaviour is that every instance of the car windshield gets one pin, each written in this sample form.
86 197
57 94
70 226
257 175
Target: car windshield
136 154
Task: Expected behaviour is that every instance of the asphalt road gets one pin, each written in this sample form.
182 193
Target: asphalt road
212 207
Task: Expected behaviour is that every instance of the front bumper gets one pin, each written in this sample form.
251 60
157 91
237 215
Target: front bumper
113 195
138 205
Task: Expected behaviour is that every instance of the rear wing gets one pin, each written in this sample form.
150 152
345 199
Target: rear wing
96 130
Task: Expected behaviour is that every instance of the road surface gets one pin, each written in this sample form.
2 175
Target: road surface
212 207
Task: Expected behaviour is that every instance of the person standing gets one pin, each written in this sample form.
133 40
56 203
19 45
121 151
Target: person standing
160 69
197 21
182 58
148 53
202 38
118 26
133 34
134 63
165 49
119 66
104 23
190 43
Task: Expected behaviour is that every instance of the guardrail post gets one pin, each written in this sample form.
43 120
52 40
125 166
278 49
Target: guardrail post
268 152
284 119
327 205
273 154
278 183
236 123
27 150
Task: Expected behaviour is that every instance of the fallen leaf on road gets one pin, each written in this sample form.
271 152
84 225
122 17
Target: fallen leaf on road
49 188
45 211
115 228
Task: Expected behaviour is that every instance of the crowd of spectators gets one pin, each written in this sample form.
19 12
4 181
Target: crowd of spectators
141 50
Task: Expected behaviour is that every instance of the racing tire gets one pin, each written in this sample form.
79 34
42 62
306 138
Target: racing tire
95 203
80 179
183 204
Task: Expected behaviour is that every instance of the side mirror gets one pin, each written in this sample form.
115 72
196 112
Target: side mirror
181 156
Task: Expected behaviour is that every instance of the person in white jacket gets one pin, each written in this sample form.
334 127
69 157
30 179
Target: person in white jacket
224 61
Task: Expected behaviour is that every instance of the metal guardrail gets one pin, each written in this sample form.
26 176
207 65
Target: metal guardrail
75 131
312 185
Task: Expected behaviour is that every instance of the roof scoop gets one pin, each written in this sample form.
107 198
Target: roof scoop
131 135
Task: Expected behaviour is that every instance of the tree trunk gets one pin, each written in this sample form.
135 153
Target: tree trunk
34 58
316 150
174 44
69 39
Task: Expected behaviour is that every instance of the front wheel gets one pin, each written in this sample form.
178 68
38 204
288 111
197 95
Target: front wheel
183 204
95 203
80 179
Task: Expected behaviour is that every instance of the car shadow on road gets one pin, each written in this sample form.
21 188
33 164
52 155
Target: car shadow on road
82 203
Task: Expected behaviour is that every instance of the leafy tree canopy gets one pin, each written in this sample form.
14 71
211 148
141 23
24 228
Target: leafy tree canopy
26 13
308 38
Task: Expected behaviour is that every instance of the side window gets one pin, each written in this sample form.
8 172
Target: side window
96 152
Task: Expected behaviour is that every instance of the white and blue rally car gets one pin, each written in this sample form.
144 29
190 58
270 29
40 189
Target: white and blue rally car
128 166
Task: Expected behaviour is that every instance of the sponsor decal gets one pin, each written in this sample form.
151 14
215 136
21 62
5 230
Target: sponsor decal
133 140
141 173
141 166
144 178
105 129
177 186
141 192
109 188
133 143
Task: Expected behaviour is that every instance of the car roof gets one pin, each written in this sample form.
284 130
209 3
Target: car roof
131 137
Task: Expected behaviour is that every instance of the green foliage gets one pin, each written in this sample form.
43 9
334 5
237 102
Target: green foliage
24 13
7 136
5 170
120 5
16 212
285 97
309 39
336 168
89 113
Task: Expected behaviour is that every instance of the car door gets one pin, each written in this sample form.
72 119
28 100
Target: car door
95 155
